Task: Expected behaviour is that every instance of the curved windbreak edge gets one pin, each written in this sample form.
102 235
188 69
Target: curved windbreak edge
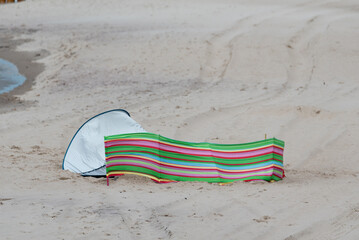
113 110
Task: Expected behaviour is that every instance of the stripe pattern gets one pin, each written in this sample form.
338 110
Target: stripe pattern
165 160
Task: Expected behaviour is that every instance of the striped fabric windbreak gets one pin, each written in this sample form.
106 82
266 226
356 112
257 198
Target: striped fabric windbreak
165 160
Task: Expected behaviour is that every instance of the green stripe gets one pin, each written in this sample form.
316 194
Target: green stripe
205 145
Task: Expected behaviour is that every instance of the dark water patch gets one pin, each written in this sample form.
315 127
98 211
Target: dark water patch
10 78
25 61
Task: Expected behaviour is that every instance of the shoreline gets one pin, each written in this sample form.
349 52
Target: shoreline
24 61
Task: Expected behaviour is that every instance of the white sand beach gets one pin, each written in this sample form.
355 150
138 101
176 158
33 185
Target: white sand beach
215 71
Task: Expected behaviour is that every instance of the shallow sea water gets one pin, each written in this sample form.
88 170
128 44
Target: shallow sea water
10 78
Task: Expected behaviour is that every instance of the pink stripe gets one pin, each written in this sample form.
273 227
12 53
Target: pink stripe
133 143
238 175
159 165
184 168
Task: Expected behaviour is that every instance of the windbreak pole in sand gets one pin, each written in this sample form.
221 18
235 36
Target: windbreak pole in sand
165 160
86 153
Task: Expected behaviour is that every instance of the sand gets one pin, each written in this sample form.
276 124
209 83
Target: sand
218 71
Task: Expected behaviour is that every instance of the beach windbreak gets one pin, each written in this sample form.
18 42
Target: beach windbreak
164 160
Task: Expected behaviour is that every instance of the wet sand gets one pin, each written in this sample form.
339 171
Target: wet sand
25 61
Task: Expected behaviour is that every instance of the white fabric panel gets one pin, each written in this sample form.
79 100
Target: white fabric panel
86 152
